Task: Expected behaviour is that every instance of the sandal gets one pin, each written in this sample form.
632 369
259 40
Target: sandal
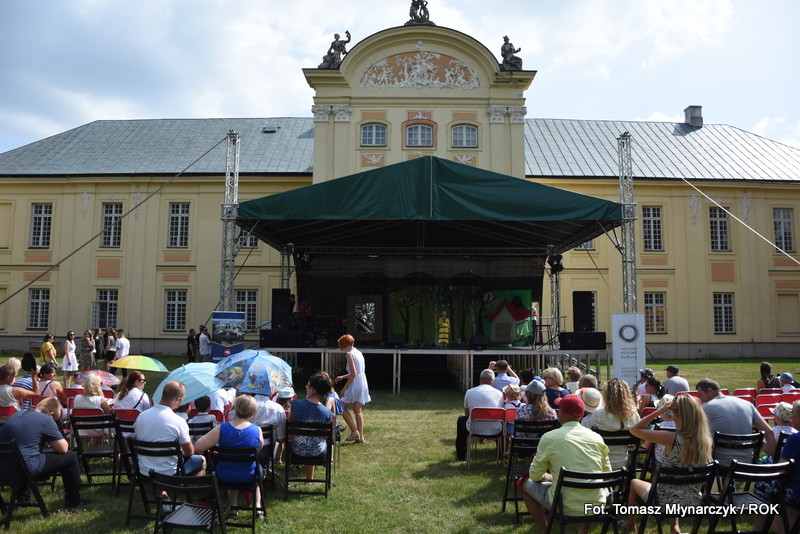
354 436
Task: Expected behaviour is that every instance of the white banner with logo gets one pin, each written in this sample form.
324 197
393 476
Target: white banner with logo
628 345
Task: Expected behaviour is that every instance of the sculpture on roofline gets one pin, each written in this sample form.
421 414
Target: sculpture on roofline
419 13
510 60
333 58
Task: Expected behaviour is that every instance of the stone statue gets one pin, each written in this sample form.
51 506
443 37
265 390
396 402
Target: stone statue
333 58
419 13
510 60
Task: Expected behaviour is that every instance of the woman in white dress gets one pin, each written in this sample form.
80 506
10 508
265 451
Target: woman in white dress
356 390
92 397
131 395
69 363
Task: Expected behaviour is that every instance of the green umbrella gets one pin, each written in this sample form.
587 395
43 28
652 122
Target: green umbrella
142 363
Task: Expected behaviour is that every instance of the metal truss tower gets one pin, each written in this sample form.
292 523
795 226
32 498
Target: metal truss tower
230 210
628 246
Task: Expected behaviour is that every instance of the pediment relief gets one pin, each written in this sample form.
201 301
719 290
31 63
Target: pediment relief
420 69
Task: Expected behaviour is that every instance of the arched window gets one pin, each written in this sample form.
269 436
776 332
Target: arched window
465 136
419 135
373 135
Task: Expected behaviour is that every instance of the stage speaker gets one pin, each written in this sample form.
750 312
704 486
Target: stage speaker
582 340
396 341
478 342
281 308
280 338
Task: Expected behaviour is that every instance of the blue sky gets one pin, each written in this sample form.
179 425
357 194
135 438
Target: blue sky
67 63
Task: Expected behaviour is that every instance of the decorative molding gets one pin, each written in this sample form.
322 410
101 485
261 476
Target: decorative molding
372 160
420 69
517 114
342 113
321 113
86 198
746 203
694 206
497 114
138 196
466 159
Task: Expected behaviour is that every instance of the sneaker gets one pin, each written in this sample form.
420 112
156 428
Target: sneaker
80 505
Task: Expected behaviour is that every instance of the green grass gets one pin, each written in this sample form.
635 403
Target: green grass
404 479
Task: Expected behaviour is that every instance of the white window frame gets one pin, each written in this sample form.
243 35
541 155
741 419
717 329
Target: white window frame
38 309
464 136
784 228
41 225
724 316
247 240
246 300
718 230
106 308
374 134
175 309
652 228
655 312
586 245
178 231
112 225
419 135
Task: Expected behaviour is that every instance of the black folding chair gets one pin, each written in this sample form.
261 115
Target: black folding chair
187 514
241 456
317 431
691 477
266 456
520 453
614 481
153 449
746 446
94 440
124 421
747 500
198 430
15 473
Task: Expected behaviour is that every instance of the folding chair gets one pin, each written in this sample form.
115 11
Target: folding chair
791 396
765 391
218 414
779 446
737 442
242 456
5 413
486 415
744 501
615 481
124 421
620 438
745 391
768 398
172 513
94 439
693 393
15 473
300 430
198 430
266 456
520 453
765 410
691 477
749 398
154 449
71 393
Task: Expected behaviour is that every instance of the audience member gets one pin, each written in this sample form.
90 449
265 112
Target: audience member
588 381
511 394
202 405
573 447
160 423
219 400
92 397
689 445
484 395
311 410
535 407
574 376
783 420
552 380
791 451
644 374
131 394
334 403
505 375
33 428
284 398
787 382
183 411
11 396
28 363
653 391
732 415
767 380
592 400
674 384
525 377
49 386
617 413
240 433
271 413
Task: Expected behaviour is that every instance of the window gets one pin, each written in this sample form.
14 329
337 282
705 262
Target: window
247 240
175 310
112 225
723 314
655 313
373 135
718 223
105 308
41 224
465 136
782 219
247 302
586 245
419 135
178 225
38 309
651 228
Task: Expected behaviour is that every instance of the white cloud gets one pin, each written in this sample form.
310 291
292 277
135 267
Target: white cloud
767 125
660 116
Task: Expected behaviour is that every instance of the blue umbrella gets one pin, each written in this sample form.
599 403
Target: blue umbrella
199 378
255 371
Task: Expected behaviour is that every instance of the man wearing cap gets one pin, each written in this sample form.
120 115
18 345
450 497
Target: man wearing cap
787 382
674 384
644 374
484 395
571 446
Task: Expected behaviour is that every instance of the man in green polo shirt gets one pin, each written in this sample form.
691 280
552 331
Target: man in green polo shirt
572 446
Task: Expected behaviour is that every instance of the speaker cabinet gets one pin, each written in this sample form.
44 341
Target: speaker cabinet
280 338
478 342
281 308
582 340
396 341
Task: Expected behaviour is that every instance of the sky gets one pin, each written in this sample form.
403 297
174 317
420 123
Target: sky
65 63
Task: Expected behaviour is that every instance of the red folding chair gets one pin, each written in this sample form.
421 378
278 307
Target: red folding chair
126 415
765 391
487 415
745 391
692 393
647 411
7 411
36 400
766 411
791 396
218 414
228 414
749 398
770 398
107 393
73 392
725 391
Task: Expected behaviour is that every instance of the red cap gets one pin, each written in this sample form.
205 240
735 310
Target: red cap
571 404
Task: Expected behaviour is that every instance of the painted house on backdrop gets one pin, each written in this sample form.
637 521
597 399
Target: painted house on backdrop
707 286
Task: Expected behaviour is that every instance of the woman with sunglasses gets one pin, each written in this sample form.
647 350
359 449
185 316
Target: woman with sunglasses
131 395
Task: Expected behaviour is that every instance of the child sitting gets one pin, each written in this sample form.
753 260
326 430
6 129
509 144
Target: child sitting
574 375
511 394
183 411
202 405
285 396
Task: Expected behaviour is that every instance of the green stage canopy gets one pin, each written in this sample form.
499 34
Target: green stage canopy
428 206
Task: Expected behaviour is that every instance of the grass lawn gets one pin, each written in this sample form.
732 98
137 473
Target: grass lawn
404 479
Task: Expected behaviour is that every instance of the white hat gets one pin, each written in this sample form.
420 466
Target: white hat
592 398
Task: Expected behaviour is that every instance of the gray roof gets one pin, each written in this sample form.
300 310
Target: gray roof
553 148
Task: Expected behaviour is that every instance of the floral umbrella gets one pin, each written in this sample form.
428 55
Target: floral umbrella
255 371
106 379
